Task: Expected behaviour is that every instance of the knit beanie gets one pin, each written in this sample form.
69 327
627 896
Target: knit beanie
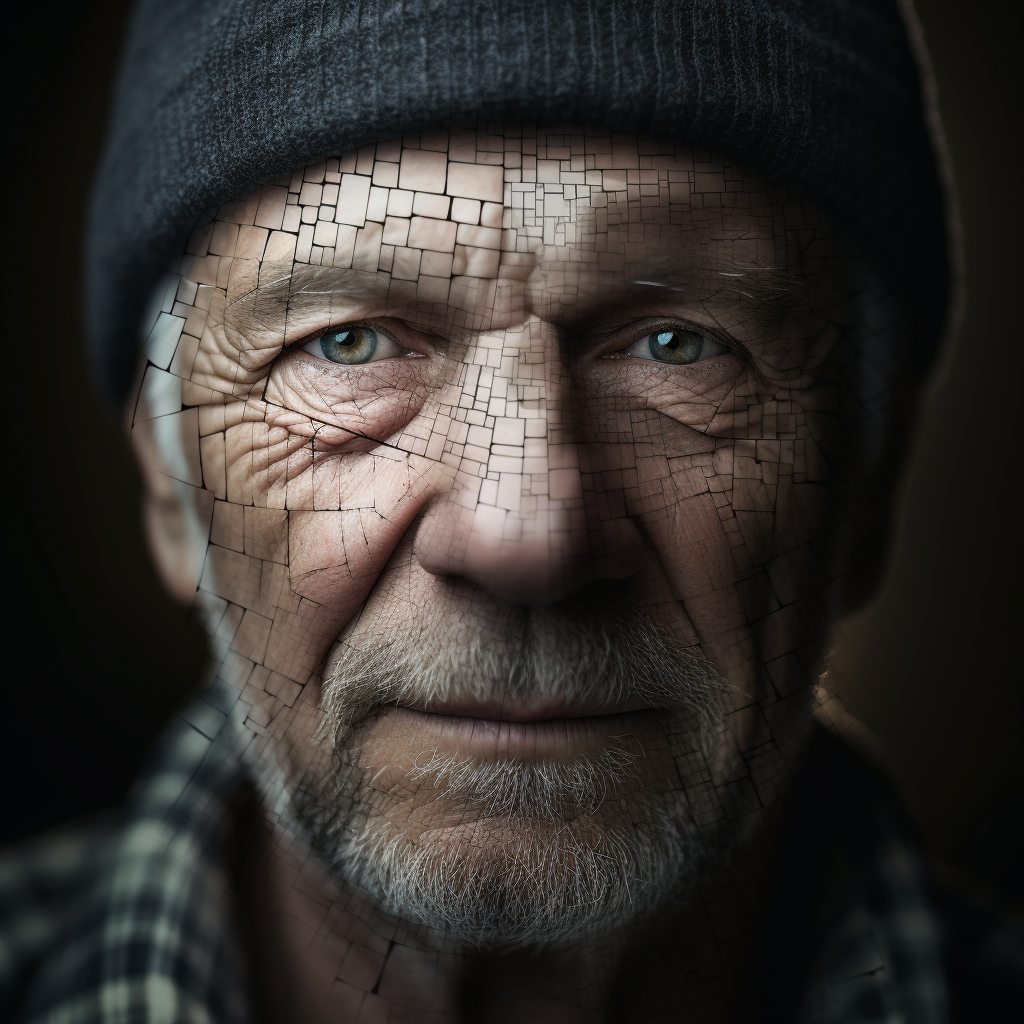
215 96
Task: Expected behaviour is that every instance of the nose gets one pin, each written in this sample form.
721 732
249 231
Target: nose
524 519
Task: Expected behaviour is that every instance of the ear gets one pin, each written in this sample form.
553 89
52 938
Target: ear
176 514
166 523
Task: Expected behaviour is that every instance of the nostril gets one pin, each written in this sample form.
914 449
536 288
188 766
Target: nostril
530 558
523 582
541 568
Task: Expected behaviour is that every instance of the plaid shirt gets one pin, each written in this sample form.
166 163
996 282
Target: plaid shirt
134 925
133 921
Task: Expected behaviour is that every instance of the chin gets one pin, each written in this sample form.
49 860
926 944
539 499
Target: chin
515 881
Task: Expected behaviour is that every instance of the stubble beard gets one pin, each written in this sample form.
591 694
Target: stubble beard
539 851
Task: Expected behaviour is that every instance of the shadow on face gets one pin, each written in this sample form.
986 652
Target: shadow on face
537 424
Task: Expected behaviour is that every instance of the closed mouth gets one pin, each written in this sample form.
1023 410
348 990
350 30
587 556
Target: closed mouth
532 732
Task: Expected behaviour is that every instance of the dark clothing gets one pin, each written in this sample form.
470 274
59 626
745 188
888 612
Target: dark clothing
216 96
133 921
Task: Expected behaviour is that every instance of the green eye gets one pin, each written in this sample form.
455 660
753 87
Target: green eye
354 345
349 345
678 346
675 346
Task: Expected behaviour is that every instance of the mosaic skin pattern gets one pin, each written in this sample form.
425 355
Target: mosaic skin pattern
446 385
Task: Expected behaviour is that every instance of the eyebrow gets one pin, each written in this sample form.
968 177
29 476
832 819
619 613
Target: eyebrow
776 291
762 283
269 306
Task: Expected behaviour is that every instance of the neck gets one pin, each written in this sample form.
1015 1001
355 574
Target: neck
319 952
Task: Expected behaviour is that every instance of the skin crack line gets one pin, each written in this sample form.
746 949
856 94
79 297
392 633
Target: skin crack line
497 463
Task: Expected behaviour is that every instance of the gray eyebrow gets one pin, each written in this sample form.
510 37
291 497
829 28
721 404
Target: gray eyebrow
777 289
658 284
268 305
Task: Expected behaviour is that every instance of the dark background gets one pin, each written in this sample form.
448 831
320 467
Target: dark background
92 674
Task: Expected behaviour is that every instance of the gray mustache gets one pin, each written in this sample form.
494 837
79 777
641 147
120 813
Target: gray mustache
579 875
605 658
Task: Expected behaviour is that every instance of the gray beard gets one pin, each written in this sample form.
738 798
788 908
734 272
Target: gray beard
536 863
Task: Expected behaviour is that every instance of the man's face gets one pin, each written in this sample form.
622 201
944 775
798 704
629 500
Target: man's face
500 461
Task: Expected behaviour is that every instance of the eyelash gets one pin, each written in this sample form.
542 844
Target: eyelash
392 336
345 324
670 324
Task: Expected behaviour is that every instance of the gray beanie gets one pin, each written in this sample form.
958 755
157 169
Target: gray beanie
215 96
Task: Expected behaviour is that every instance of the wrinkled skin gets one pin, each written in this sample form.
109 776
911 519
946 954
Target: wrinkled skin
599 376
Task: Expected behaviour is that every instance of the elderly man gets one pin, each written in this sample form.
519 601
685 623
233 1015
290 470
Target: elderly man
517 417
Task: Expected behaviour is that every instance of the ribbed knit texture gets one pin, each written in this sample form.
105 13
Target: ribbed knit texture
217 95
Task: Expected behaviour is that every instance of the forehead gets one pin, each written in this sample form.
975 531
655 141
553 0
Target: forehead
475 230
492 205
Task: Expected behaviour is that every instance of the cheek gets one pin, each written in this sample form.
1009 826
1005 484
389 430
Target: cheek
694 396
680 513
336 555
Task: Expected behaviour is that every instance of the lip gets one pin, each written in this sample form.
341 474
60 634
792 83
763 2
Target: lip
522 732
541 711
